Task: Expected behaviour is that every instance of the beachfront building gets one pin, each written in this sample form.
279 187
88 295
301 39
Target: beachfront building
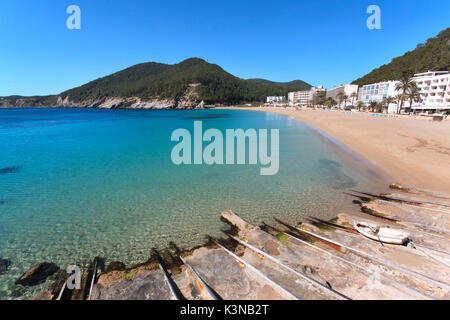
299 97
350 90
434 90
276 99
306 97
377 92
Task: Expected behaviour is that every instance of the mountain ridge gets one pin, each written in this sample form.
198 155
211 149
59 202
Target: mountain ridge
294 84
434 55
157 85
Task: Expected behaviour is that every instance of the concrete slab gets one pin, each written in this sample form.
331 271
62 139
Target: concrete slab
144 285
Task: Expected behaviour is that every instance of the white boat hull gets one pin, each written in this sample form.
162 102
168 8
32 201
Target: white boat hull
381 234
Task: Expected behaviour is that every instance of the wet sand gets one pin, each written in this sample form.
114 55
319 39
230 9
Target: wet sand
414 151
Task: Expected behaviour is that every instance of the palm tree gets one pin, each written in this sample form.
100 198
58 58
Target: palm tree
320 102
380 107
329 102
345 99
360 105
340 96
413 94
388 101
353 96
399 98
372 105
405 84
333 102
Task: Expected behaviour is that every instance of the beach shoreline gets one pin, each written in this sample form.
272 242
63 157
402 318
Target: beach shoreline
301 203
358 158
414 152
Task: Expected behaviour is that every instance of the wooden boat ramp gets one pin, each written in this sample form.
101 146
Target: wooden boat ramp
310 260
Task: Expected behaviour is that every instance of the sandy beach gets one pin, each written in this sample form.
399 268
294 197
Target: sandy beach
414 152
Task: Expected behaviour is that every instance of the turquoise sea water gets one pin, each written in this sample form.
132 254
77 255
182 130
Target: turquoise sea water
77 183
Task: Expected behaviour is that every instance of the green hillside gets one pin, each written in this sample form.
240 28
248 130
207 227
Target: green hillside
122 83
158 81
32 101
294 85
433 55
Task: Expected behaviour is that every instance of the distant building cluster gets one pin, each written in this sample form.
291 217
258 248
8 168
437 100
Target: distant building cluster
433 95
306 97
276 99
349 90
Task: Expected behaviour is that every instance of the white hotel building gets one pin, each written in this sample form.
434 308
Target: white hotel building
305 97
377 92
434 92
347 89
276 99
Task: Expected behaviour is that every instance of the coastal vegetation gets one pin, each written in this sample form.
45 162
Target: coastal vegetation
353 96
329 102
413 95
404 85
360 105
388 101
296 85
342 97
154 80
193 79
433 55
19 101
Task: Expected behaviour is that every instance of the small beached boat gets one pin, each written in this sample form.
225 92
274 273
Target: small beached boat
382 234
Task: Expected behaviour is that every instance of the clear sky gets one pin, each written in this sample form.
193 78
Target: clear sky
324 42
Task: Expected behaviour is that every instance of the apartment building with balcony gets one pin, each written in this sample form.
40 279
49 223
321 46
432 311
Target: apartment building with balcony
347 89
306 97
377 92
434 92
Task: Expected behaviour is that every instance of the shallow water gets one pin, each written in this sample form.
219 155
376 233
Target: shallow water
77 183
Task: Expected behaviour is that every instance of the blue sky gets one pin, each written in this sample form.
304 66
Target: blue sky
324 42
